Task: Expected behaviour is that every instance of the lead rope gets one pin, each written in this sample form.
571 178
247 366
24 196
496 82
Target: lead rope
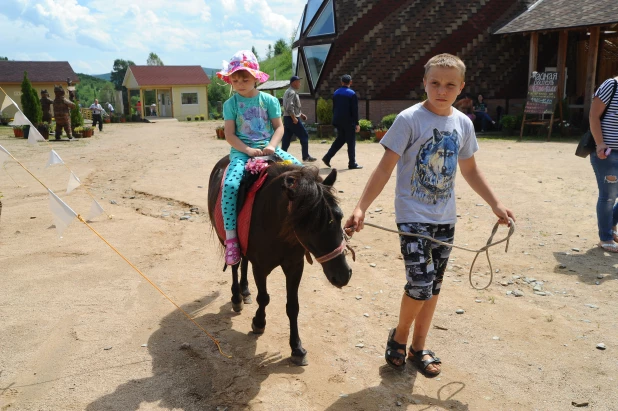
479 251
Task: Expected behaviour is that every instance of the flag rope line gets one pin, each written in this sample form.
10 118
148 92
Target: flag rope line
7 173
80 218
63 162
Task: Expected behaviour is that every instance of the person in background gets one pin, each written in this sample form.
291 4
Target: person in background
138 108
345 120
480 110
97 110
110 108
604 127
293 120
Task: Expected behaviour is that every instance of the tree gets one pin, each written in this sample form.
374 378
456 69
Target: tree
154 60
218 90
269 53
117 77
107 95
119 71
30 102
281 46
254 51
4 58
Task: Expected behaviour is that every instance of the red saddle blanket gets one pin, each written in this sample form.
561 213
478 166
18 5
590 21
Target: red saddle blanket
244 216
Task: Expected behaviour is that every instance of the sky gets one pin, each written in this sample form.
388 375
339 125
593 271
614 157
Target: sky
91 34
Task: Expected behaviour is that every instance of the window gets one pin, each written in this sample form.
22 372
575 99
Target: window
316 56
325 23
312 8
294 60
304 85
188 98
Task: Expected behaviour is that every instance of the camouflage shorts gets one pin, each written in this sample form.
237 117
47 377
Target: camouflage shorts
425 260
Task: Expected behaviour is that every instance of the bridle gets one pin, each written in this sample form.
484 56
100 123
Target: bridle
341 249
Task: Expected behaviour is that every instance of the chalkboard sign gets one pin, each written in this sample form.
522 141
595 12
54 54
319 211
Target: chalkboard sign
542 93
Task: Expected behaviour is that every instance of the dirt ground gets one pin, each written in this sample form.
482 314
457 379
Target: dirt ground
81 330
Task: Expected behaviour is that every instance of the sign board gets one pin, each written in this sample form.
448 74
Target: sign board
542 93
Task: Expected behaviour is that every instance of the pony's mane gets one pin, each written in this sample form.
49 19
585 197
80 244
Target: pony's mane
311 208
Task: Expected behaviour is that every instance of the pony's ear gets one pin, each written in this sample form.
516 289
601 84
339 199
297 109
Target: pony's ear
330 179
289 185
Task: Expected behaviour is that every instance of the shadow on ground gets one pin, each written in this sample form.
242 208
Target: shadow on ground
198 377
587 266
395 392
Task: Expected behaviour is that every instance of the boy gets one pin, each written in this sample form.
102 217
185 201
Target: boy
426 142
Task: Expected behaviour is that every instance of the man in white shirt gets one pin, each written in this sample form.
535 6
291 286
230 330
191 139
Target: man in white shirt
110 109
96 114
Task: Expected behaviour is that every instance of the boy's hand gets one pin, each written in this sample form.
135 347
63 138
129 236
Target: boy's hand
268 150
503 214
253 152
355 223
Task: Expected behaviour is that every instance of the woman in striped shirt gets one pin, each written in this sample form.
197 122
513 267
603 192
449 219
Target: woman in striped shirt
604 128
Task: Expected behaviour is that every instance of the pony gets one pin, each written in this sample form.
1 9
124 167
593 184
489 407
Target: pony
295 213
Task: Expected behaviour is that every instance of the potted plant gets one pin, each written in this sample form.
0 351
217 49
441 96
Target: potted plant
380 132
325 118
87 131
197 118
388 120
18 131
30 104
122 119
77 132
220 130
202 117
365 129
508 123
43 129
188 118
107 119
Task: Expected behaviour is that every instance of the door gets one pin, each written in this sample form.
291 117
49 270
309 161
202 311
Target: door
165 103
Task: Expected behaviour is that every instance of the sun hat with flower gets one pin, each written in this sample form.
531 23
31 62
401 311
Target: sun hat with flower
242 60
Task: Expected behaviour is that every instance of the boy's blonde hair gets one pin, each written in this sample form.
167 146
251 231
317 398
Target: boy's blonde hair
448 61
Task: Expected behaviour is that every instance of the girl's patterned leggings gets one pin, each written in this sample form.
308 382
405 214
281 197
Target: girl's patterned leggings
232 183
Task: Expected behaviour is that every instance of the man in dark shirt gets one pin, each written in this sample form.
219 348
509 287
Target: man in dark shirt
345 120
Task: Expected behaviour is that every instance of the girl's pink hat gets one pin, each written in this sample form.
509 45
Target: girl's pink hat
242 60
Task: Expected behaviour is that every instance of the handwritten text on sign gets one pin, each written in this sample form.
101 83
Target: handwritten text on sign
542 91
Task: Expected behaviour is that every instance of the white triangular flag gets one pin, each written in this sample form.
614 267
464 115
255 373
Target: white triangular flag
54 158
63 214
95 210
4 155
20 120
73 183
7 103
34 135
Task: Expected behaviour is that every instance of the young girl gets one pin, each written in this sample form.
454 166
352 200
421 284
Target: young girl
253 128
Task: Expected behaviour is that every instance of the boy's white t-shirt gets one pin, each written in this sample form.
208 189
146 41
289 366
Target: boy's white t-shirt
429 146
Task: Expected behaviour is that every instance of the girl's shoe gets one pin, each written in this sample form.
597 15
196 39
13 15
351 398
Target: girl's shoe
232 251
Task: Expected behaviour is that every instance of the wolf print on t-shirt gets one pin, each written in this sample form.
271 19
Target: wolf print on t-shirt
436 164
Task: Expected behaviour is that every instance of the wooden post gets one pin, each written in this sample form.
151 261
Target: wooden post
551 126
591 68
141 99
534 51
562 51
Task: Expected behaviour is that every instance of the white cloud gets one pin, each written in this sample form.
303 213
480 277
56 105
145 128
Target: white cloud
229 5
205 14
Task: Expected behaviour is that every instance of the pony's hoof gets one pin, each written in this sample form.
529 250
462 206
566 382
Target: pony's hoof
247 299
256 330
300 360
237 307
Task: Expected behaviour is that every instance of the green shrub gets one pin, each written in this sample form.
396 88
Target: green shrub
30 102
202 117
508 122
197 118
365 125
188 118
388 120
77 120
325 111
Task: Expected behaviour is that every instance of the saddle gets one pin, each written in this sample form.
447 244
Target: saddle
249 186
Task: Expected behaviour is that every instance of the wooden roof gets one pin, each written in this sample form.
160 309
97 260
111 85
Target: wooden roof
38 71
168 75
547 15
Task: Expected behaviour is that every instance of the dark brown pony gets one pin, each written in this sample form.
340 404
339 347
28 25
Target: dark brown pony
294 212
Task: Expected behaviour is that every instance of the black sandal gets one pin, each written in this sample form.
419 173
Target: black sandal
392 352
422 365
